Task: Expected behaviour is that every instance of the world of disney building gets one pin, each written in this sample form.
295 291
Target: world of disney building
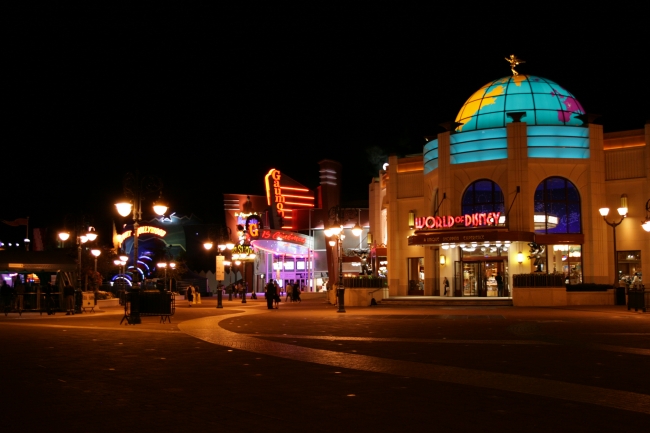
513 188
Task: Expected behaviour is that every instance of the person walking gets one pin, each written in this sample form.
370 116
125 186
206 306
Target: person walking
296 293
445 283
289 295
499 280
6 294
270 295
68 293
189 295
276 296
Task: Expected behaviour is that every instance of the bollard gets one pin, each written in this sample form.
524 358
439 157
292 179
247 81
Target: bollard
340 294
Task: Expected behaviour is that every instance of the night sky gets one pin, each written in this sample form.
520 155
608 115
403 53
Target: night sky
210 101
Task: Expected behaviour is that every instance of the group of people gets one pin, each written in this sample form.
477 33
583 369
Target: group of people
191 293
13 298
273 292
240 288
292 293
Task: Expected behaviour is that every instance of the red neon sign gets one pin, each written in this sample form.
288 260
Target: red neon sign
282 236
468 220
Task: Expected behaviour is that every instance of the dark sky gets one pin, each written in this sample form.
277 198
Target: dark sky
209 101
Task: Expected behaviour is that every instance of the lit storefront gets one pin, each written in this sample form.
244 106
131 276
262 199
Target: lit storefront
512 187
287 230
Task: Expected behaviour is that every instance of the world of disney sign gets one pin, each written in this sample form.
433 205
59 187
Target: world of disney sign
449 221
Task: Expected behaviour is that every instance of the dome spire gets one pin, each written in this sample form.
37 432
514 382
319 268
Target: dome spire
514 61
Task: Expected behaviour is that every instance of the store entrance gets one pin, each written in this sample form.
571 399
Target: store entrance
481 278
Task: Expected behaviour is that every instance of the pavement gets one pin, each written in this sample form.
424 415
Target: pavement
305 367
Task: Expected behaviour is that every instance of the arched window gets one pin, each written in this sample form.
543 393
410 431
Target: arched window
483 196
557 207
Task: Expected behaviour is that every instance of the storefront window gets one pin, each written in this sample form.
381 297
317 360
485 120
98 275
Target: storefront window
557 207
566 260
629 265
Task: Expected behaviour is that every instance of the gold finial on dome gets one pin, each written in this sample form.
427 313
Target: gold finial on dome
514 61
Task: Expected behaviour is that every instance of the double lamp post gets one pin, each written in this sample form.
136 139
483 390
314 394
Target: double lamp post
135 190
221 262
337 216
82 238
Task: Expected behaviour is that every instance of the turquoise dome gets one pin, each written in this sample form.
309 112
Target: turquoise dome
543 101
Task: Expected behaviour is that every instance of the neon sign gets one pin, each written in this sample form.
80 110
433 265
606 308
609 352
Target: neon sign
253 225
277 235
283 194
142 230
468 220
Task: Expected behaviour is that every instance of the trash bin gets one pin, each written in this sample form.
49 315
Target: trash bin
636 299
620 296
78 301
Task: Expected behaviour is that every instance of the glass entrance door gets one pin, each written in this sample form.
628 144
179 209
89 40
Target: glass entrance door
484 279
471 279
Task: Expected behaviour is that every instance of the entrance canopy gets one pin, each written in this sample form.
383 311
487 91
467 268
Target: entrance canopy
36 261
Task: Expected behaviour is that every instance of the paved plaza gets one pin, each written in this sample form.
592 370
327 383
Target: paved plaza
305 367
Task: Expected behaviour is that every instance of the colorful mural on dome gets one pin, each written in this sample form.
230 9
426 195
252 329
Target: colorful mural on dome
543 101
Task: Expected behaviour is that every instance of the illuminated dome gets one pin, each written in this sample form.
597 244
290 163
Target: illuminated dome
543 101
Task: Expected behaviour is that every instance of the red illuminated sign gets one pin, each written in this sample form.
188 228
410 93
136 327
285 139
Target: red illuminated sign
278 235
283 194
449 221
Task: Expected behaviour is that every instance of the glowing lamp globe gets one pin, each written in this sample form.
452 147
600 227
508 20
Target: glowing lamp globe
123 208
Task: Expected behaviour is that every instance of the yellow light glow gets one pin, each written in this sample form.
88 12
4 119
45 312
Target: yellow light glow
123 208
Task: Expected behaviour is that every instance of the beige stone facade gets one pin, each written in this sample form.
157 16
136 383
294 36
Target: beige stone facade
617 164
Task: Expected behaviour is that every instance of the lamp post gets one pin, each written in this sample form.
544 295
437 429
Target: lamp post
89 235
96 253
622 211
135 189
220 261
646 224
337 216
164 266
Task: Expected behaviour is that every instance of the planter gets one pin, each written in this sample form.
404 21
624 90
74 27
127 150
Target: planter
558 297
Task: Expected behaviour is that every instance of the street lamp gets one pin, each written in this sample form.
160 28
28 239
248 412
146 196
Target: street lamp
96 253
165 265
334 232
220 263
82 238
135 189
646 224
622 211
